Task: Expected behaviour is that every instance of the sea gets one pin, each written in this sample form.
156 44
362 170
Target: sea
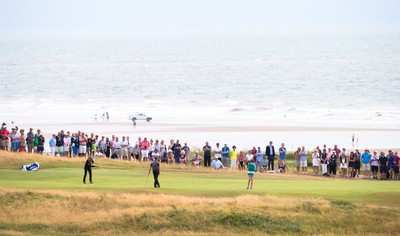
319 80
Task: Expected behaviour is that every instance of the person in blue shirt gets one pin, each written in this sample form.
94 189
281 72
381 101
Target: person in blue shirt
225 155
259 158
282 152
366 158
52 144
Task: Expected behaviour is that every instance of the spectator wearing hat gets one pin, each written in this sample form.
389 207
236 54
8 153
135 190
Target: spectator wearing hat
196 159
52 144
5 137
15 139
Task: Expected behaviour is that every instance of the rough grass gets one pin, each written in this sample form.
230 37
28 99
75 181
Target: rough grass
52 205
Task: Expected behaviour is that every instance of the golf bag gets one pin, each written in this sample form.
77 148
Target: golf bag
30 167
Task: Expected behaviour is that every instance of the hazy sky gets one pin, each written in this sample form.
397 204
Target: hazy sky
201 15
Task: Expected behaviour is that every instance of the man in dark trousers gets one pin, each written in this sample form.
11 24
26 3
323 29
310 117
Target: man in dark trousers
88 168
155 166
270 153
207 155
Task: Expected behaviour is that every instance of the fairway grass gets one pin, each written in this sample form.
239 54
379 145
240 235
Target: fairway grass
190 201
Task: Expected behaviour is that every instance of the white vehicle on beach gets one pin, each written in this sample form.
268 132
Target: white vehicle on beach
140 116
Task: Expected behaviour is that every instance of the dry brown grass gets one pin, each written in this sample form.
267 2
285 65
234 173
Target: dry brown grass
124 213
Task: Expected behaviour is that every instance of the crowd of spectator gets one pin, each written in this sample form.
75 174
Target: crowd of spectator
327 162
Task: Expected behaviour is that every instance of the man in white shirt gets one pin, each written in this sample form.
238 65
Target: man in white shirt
217 152
124 148
117 147
249 157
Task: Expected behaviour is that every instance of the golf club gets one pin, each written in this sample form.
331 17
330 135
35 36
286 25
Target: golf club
104 170
145 186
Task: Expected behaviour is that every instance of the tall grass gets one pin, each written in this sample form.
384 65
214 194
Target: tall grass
62 212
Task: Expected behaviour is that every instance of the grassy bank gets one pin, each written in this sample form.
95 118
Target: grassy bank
190 201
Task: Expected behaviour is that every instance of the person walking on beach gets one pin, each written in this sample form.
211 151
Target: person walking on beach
88 169
270 153
250 173
155 166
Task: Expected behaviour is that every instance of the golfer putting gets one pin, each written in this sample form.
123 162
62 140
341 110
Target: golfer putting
88 169
155 166
251 170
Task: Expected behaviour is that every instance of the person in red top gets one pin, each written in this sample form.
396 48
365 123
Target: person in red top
144 146
5 137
